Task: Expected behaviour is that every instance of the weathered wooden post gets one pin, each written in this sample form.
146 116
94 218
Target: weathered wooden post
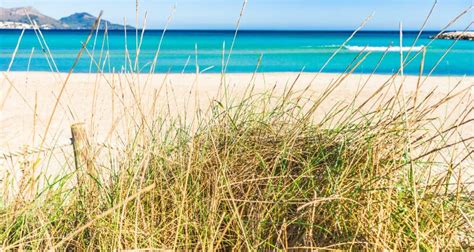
83 156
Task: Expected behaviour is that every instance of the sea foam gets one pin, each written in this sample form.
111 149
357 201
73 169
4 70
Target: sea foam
383 48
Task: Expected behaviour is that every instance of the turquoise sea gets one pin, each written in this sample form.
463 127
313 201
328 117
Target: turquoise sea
279 51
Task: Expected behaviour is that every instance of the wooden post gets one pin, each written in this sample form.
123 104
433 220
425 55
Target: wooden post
83 156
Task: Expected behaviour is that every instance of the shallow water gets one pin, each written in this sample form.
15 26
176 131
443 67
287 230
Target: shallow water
280 51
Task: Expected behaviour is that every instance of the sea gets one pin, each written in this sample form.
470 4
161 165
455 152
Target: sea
191 51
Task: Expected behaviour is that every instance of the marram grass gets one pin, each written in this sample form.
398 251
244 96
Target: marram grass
257 173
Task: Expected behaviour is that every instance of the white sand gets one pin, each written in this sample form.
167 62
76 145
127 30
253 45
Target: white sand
19 128
108 113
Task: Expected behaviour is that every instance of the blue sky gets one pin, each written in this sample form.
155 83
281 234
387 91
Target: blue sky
265 14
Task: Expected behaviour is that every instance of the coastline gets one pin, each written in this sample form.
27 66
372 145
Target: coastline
261 135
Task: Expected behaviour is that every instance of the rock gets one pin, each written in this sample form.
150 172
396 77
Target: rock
468 35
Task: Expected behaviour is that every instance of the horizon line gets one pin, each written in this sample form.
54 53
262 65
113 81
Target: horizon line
246 30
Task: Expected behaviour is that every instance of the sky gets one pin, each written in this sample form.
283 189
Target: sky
265 14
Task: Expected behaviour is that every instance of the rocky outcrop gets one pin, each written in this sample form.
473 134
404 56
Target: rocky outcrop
468 35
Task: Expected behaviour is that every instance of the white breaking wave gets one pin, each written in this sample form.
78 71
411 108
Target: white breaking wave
383 48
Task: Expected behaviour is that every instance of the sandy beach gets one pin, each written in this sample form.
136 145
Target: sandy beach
102 100
114 106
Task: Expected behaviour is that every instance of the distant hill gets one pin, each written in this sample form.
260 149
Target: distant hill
84 20
16 18
18 15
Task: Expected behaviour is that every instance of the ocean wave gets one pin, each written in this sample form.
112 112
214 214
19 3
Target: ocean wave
322 46
383 48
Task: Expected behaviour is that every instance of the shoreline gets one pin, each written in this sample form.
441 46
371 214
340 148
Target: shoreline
243 73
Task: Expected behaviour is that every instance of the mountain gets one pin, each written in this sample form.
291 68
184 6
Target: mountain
17 18
84 20
18 15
